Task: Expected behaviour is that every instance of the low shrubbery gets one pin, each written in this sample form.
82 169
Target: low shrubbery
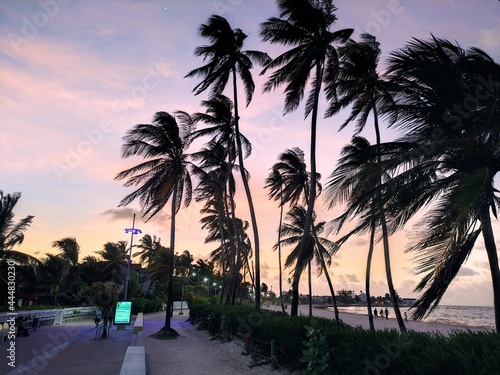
146 305
353 350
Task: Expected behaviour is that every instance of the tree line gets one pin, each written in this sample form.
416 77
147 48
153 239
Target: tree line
441 98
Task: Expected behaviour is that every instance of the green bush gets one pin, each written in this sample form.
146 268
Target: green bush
353 350
146 305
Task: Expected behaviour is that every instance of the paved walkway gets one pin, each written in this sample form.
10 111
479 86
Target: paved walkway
69 348
72 348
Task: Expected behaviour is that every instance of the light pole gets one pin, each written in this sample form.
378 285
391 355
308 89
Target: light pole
182 300
132 230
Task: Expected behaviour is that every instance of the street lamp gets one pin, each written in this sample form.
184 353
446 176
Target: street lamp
133 231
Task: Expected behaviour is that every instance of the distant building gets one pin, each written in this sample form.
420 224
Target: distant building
362 297
408 301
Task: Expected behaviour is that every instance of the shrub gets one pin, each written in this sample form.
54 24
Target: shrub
353 350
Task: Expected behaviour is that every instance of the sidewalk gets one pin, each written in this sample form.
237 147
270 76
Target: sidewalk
69 348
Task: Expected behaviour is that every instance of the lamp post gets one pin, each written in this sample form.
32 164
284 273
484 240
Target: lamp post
182 300
133 231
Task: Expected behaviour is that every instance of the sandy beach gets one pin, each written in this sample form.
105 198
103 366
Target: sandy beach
356 320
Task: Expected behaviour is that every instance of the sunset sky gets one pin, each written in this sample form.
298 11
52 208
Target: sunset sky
76 75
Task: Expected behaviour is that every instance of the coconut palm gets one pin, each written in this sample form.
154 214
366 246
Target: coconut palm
288 182
162 177
114 258
12 233
182 264
449 109
70 250
215 172
318 248
305 26
227 59
56 270
360 85
149 246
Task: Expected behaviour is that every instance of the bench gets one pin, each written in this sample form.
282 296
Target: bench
139 322
134 362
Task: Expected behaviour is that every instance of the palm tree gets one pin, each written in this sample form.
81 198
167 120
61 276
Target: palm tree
56 270
70 250
149 246
182 263
92 270
12 233
227 59
438 79
306 28
215 171
360 84
288 182
163 176
318 248
114 258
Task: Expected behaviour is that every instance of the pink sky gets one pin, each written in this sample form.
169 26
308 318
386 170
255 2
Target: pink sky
76 75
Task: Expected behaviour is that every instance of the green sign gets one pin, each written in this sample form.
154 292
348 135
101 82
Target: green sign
123 312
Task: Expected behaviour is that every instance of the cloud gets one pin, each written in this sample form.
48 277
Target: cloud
409 270
465 271
123 213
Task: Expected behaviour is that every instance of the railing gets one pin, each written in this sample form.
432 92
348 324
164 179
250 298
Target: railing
49 317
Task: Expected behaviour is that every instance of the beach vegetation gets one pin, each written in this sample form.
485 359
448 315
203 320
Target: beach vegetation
336 348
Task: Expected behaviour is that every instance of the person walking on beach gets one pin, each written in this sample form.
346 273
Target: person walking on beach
381 314
375 313
406 317
386 313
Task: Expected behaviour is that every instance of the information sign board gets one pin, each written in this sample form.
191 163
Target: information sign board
123 312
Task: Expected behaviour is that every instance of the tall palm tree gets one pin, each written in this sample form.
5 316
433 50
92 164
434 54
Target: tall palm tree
305 26
318 248
360 85
215 172
449 109
228 59
288 181
162 177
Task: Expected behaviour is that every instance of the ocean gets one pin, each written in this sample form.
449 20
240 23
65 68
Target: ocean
468 316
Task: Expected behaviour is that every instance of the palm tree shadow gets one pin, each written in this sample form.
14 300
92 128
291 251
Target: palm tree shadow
165 333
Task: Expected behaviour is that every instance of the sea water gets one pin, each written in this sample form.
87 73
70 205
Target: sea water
468 316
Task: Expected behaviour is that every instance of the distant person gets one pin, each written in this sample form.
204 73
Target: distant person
375 313
386 313
381 313
406 317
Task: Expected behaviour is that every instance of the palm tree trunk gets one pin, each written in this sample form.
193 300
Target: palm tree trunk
385 235
489 243
388 272
220 214
312 196
309 277
328 279
249 196
279 253
170 288
368 273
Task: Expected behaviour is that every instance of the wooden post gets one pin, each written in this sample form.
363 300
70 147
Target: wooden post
273 353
